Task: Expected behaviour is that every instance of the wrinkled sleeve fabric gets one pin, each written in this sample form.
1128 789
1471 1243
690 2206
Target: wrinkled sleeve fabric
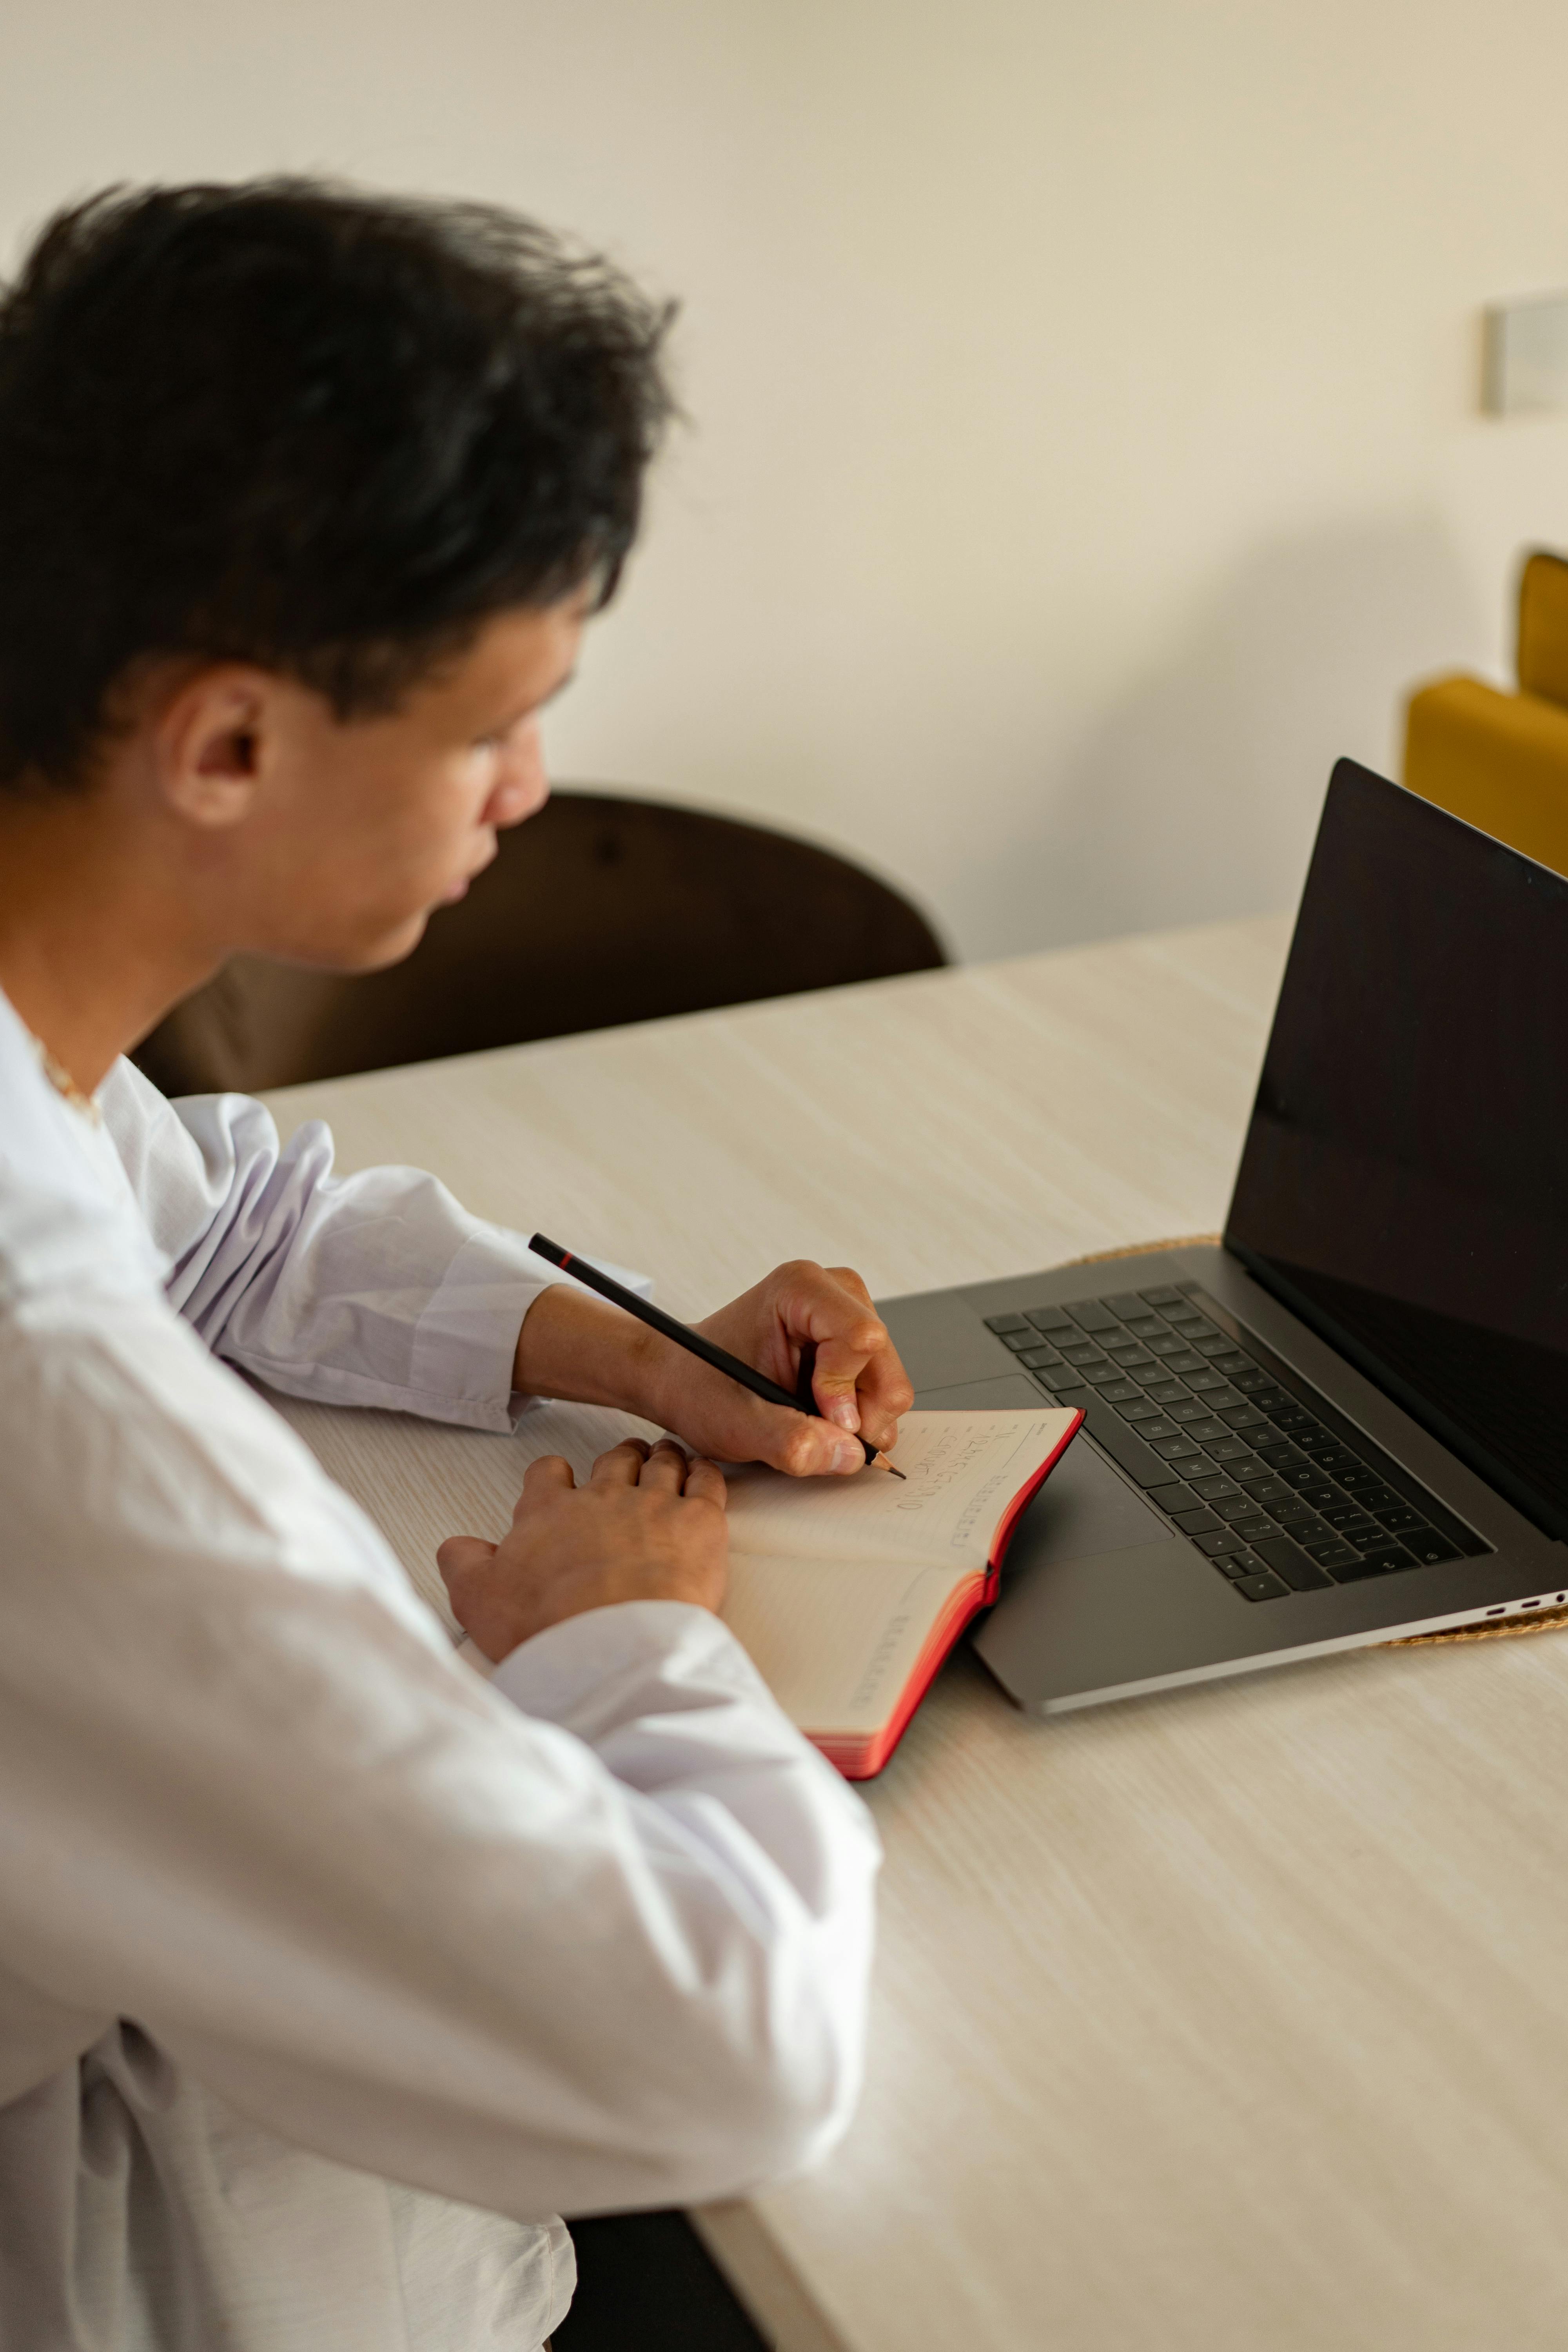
372 1290
595 1934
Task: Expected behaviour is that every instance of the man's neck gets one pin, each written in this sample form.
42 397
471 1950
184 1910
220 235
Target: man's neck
92 950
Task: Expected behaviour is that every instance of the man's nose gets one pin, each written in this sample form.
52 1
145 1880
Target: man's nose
524 786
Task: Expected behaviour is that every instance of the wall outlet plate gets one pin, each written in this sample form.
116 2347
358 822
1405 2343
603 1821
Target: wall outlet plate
1526 357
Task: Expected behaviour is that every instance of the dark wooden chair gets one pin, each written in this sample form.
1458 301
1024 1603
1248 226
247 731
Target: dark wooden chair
597 911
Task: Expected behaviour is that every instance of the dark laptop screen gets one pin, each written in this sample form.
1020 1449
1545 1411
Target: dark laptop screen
1404 1181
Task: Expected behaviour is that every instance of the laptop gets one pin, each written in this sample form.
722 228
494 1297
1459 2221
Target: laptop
1349 1422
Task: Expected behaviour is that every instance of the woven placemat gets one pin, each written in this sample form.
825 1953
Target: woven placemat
1540 1621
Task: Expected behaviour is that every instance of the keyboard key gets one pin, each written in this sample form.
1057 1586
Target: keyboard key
1260 1588
1123 1444
1352 1570
1286 1558
1198 1522
1266 1487
1228 1359
1019 1339
1141 1411
1184 1363
1294 1418
1206 1430
1242 1417
1378 1498
1217 1347
1237 1564
1165 1391
1079 1351
1129 1352
1035 1360
1235 1506
1120 1393
1397 1515
1344 1515
1320 1496
1254 1382
1307 1531
1177 1497
1125 1303
1334 1555
1272 1400
1294 1514
1050 1318
1298 1474
1202 1383
1354 1476
1100 1374
1167 1343
1385 1559
1250 1529
1192 1320
1174 1449
1167 1297
1003 1324
1226 1540
1302 1575
1145 1326
1278 1453
1213 1486
1191 1408
1091 1316
1160 1427
1334 1459
1231 1449
1428 1547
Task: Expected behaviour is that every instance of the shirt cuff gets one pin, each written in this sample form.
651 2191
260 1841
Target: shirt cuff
465 1342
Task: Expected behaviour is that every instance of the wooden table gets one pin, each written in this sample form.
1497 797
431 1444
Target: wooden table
1234 2019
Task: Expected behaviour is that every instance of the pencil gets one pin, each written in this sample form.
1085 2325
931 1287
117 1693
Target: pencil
582 1271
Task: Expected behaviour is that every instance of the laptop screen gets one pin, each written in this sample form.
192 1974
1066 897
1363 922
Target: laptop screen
1404 1181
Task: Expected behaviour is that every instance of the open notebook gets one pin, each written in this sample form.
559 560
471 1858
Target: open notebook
850 1593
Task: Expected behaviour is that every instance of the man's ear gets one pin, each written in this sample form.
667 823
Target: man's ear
211 741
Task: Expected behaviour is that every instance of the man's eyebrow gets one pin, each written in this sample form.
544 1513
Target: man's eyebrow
504 726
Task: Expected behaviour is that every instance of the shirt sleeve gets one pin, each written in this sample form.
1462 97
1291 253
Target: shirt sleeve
597 1934
371 1289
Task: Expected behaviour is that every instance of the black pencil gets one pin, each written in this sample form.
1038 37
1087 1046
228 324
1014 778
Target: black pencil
692 1341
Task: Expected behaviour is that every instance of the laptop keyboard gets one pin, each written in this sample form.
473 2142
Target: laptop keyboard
1239 1452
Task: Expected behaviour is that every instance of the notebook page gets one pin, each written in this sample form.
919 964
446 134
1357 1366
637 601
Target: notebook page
961 1472
834 1640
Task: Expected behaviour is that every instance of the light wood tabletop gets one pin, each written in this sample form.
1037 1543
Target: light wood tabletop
1233 2019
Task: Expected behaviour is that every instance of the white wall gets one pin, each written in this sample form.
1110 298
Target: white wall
1085 446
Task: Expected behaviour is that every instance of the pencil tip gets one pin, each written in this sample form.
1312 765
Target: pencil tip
887 1465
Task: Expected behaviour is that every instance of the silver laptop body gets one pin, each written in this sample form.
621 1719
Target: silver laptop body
1350 1421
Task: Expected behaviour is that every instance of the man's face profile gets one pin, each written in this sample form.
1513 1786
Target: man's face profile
330 842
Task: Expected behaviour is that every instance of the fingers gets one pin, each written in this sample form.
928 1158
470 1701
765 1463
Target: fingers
665 1467
459 1556
859 1383
705 1484
549 1475
622 1467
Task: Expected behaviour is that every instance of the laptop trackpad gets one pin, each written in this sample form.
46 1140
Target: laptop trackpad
1084 1509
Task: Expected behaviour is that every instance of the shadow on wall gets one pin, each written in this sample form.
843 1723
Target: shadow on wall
1198 797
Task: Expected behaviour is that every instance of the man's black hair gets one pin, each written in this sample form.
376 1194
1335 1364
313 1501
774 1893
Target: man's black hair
291 423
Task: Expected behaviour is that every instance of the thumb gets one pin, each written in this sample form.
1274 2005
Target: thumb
460 1556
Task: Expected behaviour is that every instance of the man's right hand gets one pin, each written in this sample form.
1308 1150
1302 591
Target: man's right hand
648 1526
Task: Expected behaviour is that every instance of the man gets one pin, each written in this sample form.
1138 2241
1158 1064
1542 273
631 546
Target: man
332 1973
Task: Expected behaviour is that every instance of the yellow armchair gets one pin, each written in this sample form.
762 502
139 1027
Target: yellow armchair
1501 761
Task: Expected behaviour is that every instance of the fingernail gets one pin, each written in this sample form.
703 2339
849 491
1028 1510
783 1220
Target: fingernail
841 1408
848 1458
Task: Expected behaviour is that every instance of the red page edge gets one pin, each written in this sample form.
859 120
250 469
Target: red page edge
867 1759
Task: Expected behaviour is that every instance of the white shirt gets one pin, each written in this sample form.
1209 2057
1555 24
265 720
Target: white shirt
328 1971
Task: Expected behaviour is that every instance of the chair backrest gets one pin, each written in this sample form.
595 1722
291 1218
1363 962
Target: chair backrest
1542 657
599 911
